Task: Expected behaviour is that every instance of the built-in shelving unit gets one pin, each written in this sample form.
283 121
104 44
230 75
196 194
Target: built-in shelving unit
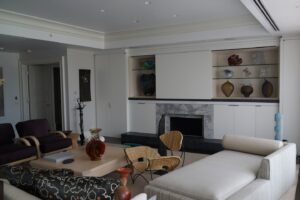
258 65
139 65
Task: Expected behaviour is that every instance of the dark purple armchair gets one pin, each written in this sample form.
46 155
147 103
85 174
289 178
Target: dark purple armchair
12 150
37 131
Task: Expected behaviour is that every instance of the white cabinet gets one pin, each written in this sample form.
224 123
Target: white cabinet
184 75
223 120
142 117
264 121
111 97
246 120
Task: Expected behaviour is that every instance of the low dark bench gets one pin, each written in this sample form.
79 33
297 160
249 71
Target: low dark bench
190 143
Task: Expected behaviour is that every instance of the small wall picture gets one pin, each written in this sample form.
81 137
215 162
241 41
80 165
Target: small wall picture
1 93
85 85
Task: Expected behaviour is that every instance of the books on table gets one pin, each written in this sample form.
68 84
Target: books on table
59 157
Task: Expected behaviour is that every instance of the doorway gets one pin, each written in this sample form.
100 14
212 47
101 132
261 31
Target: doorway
44 94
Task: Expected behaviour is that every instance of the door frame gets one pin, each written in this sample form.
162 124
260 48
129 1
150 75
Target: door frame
24 96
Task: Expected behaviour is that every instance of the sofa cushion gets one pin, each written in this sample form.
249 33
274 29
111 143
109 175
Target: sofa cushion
35 127
14 152
251 145
7 134
214 177
53 142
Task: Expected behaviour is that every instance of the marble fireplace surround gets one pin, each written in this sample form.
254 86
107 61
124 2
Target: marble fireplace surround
186 110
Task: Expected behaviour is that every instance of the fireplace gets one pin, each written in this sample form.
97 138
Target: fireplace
188 125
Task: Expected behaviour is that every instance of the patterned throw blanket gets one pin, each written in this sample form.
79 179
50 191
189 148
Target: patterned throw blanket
59 183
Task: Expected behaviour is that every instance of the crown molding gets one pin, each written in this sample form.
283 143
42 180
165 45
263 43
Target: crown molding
21 25
27 26
246 20
222 44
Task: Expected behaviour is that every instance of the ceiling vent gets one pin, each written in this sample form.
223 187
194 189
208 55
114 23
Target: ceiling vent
266 14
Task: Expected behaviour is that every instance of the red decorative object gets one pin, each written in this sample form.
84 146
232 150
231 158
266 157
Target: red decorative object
95 148
122 192
235 60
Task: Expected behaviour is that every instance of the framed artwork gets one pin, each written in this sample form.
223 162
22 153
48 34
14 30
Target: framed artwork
1 93
84 85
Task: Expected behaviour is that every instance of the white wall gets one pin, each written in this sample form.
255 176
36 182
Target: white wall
80 59
289 89
12 112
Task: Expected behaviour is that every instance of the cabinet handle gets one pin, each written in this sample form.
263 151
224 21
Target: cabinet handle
233 105
258 105
141 103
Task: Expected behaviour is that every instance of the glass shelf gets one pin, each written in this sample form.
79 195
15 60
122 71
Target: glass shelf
247 78
248 65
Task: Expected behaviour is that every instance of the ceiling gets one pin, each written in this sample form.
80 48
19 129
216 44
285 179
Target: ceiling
125 15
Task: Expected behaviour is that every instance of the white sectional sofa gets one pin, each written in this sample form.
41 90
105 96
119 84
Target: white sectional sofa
248 168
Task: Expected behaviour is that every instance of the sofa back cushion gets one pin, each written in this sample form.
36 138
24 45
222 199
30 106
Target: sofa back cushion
251 145
7 134
36 127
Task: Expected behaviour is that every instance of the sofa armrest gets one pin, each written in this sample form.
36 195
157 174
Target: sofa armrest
60 133
33 140
280 169
259 189
23 141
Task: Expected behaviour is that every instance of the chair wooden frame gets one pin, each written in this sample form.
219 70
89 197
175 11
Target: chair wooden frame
36 142
173 140
144 159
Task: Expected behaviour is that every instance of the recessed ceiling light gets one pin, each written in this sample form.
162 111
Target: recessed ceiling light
175 15
102 10
147 3
2 48
136 21
28 50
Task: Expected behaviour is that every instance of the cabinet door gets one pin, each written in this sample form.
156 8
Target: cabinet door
111 97
184 75
244 120
223 120
142 117
264 121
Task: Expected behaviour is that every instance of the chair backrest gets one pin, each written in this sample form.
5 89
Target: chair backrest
135 153
172 140
36 127
7 134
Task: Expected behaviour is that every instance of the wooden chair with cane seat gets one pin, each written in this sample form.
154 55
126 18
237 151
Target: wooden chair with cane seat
173 141
144 159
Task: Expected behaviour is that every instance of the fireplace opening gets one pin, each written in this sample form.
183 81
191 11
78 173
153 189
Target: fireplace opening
188 126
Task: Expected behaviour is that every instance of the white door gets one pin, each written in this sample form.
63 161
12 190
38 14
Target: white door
244 117
41 104
223 120
111 93
264 121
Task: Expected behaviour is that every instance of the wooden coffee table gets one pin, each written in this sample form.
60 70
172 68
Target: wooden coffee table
112 159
